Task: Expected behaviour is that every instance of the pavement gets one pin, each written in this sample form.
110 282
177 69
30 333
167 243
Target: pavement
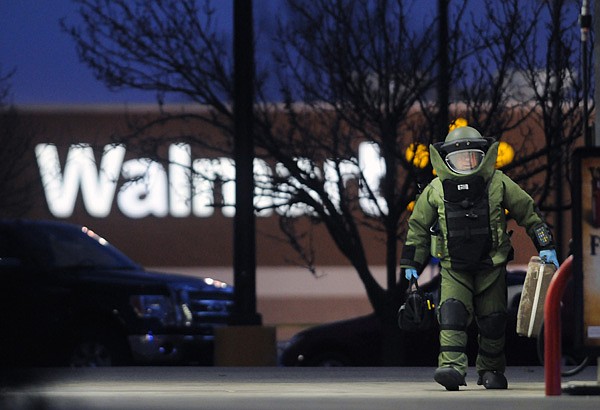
280 388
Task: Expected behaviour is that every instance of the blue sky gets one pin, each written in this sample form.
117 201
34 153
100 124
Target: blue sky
47 67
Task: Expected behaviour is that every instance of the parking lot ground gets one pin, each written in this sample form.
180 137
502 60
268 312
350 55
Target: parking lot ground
277 388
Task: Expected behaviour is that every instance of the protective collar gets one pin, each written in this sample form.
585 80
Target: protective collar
486 168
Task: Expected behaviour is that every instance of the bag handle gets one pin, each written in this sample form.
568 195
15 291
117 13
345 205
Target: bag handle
413 282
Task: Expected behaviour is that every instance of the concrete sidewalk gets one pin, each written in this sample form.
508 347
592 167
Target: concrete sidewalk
277 388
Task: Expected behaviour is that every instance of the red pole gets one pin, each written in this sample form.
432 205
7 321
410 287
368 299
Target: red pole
552 327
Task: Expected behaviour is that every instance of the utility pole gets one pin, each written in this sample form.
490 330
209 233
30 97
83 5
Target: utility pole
244 232
443 81
247 342
585 20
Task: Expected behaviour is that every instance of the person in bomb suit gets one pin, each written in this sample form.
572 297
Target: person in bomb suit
467 202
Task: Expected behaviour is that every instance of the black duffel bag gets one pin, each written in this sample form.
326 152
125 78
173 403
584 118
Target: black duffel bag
417 314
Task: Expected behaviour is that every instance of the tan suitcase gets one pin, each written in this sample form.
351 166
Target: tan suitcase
530 315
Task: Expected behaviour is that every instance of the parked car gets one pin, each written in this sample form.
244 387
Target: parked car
358 341
68 297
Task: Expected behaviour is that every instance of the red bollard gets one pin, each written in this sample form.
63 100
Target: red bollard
552 328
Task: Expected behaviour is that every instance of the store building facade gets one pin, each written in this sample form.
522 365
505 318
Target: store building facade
154 214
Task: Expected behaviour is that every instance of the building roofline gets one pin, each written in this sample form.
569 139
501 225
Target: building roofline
108 107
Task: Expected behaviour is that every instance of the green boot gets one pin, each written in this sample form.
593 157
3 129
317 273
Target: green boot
449 377
492 380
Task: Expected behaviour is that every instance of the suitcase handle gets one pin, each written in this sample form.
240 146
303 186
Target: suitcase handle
538 288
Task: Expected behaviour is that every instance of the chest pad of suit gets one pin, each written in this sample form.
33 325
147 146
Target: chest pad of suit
468 223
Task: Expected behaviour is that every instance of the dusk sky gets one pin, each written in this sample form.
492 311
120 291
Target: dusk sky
47 67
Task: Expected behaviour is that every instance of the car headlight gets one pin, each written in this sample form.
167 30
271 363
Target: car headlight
158 307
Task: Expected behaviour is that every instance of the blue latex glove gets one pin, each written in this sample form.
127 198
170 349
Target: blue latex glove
410 273
549 255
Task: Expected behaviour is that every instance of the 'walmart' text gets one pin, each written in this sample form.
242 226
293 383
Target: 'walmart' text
144 187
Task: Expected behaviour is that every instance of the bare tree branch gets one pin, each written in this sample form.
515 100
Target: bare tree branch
365 72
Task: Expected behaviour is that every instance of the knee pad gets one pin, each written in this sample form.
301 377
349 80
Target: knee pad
453 315
493 325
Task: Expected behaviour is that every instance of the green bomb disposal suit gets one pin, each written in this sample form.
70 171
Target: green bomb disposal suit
473 247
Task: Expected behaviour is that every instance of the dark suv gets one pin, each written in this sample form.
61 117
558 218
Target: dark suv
67 297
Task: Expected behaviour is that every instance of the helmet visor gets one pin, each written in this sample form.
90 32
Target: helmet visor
464 161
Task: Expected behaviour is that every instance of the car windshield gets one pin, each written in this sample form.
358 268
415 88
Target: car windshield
67 246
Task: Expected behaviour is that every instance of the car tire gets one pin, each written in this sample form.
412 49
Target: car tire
330 359
571 363
98 348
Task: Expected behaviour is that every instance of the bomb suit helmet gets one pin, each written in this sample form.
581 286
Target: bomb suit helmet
464 150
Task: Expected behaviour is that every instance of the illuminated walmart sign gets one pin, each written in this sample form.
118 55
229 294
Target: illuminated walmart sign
148 189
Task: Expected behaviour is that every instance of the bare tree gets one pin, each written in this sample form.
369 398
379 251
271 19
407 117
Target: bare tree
365 71
487 65
557 85
15 167
542 80
361 86
519 72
